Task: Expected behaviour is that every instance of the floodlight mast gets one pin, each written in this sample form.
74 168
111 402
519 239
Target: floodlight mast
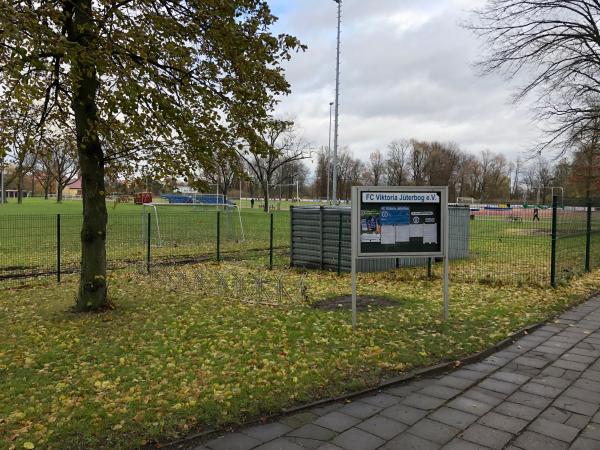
328 162
337 104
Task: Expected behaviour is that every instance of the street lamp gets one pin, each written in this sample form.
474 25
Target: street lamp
329 153
337 103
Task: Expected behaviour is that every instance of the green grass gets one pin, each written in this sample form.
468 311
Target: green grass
500 250
211 345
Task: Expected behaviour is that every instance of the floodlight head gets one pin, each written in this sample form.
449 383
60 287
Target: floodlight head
330 103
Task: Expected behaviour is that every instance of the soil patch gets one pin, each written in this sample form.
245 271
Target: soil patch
362 303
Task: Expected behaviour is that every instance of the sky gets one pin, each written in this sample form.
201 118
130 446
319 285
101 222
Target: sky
407 71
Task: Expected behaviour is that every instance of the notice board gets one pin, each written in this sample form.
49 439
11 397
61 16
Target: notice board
399 221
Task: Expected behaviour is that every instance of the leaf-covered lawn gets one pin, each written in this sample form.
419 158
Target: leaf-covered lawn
208 345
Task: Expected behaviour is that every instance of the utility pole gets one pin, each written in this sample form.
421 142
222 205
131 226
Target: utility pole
2 194
337 104
328 166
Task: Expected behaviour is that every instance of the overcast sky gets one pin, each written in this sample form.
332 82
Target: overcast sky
406 72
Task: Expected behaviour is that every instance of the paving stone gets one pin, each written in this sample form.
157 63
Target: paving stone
556 415
267 432
382 399
337 421
360 409
305 442
534 441
453 417
550 350
322 410
578 421
498 386
383 427
582 443
281 444
312 431
537 363
469 374
583 394
489 437
541 390
440 391
591 375
456 382
433 431
233 441
297 420
576 405
402 390
571 375
510 377
585 352
554 430
592 431
497 361
422 401
578 358
408 441
553 372
356 439
404 414
535 401
470 405
459 444
483 367
570 365
551 381
512 425
483 395
329 446
517 410
589 384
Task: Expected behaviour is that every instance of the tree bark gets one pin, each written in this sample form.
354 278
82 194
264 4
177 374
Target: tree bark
265 190
59 193
20 183
92 295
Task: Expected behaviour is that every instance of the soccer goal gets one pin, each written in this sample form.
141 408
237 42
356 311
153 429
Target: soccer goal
230 216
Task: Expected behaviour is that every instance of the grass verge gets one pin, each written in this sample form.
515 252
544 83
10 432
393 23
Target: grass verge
211 345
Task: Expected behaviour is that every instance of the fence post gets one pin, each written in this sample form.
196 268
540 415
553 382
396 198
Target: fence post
218 236
429 267
588 235
291 236
321 237
58 248
339 255
553 254
271 244
148 237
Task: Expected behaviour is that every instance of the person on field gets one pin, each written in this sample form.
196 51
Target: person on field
536 214
252 203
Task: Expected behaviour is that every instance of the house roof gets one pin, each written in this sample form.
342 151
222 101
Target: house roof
75 184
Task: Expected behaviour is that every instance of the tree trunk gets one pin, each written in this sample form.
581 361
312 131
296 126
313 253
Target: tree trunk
92 295
265 190
47 190
20 183
59 193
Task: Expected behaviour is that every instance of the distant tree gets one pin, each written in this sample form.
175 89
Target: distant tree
375 169
271 148
397 164
61 162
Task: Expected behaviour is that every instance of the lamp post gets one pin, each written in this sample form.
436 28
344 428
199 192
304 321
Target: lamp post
328 166
337 103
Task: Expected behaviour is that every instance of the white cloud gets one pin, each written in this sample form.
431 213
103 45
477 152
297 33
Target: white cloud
407 71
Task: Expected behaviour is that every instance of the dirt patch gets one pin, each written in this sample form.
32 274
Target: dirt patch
362 303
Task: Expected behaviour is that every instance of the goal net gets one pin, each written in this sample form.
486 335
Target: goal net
186 223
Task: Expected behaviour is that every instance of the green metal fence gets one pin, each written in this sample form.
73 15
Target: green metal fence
504 246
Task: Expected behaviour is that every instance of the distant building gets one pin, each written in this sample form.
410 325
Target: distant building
73 189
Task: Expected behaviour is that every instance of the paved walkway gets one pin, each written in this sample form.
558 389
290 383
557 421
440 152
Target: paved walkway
543 392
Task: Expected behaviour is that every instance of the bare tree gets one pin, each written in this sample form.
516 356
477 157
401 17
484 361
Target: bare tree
61 162
556 44
271 148
376 168
397 162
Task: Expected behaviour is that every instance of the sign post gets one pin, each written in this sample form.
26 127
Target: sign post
399 221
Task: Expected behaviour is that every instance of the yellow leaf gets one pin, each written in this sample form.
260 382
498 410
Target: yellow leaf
28 445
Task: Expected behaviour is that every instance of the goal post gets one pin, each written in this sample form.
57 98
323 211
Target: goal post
230 211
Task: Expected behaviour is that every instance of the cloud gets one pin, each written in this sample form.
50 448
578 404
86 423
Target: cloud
406 71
